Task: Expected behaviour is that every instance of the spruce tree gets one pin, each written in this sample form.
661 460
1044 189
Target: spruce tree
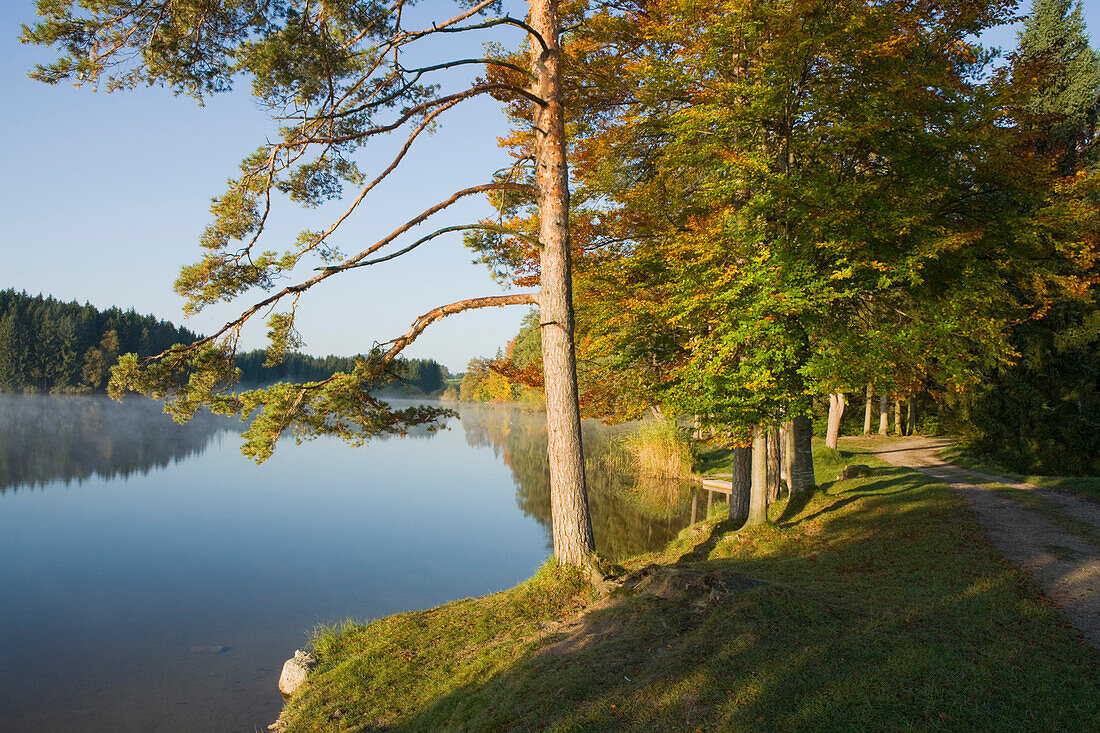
1054 48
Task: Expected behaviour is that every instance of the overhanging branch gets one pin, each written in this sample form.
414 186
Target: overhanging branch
492 23
433 235
421 323
414 111
467 62
301 287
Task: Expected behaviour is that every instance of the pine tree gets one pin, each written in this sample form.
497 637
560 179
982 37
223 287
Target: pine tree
332 75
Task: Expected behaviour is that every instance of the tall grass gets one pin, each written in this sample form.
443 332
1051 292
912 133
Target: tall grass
659 450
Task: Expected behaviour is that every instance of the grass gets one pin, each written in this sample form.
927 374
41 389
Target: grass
659 451
877 606
1086 487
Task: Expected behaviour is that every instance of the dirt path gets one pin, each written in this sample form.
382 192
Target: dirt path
1064 564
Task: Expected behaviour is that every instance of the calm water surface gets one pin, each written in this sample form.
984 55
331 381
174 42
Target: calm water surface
152 579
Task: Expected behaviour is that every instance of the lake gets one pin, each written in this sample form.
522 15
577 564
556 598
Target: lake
153 579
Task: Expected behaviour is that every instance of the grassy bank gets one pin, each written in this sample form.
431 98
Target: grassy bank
1087 487
876 605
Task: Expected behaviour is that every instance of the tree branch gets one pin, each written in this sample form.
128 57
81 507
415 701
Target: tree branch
381 176
466 62
347 264
413 111
301 287
433 235
506 20
442 311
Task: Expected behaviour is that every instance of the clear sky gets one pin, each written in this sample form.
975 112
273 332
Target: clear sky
103 198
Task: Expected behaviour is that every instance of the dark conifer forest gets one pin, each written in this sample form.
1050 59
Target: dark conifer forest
47 345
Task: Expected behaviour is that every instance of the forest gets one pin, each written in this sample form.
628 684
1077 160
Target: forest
47 345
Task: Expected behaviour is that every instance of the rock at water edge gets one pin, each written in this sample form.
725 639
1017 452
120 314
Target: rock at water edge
295 671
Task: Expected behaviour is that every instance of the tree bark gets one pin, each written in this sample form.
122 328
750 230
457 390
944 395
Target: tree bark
572 526
740 485
774 481
836 411
802 458
786 452
911 420
898 429
758 496
883 415
868 409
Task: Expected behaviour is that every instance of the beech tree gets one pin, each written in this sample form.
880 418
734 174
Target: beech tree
331 73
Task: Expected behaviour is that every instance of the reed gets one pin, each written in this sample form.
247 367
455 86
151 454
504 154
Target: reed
660 450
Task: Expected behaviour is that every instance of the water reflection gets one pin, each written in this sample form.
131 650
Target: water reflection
629 515
47 438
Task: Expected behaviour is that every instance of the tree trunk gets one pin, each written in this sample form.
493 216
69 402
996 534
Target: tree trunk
868 409
898 430
883 415
911 420
786 452
774 481
740 485
572 526
758 496
836 411
802 457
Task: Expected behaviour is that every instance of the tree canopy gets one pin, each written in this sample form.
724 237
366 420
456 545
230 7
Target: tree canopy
786 200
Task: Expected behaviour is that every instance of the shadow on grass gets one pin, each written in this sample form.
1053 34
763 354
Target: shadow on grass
895 481
702 551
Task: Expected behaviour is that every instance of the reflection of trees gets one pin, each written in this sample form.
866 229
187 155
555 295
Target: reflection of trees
45 439
626 519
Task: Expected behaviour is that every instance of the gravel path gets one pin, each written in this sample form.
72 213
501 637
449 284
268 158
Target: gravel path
1064 565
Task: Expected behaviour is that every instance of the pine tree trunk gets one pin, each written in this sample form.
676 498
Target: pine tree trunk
802 457
740 485
836 411
774 481
572 526
868 409
758 496
898 430
883 415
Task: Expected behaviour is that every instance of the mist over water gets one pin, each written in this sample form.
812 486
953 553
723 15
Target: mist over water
44 439
153 579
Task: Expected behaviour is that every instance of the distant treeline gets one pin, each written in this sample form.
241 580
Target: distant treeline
417 376
47 345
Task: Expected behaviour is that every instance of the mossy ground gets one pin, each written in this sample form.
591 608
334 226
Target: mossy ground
879 607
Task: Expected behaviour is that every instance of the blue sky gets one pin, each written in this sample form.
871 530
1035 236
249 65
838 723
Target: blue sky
103 198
